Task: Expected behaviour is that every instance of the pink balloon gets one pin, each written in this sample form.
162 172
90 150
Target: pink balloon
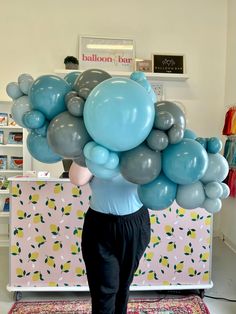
79 175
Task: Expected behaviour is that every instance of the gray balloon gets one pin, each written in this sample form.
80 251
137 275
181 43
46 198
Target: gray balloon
67 135
163 120
140 165
75 106
80 161
89 79
173 109
190 196
157 140
175 134
69 95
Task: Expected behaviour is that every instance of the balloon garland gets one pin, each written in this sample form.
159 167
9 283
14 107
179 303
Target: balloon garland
114 125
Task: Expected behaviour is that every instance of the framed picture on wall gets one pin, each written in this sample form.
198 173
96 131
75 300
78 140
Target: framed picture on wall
143 65
168 63
111 54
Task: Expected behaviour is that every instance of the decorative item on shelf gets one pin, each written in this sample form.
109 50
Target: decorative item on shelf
3 162
143 65
1 137
4 184
3 119
168 63
6 206
16 163
15 138
71 63
11 121
111 54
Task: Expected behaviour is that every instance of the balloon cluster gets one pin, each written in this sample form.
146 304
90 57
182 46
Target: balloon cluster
115 125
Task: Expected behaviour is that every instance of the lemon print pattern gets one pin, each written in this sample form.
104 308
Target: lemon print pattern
46 240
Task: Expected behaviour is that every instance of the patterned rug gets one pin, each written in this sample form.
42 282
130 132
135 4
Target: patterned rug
167 305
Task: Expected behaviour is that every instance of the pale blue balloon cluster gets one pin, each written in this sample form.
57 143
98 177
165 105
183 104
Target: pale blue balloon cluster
115 125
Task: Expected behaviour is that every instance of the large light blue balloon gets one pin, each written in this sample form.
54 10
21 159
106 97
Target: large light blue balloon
71 77
119 114
38 147
190 196
185 162
217 169
47 95
158 194
33 119
101 171
19 107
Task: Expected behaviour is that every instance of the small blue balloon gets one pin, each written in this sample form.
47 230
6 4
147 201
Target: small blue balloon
158 194
189 134
226 190
13 90
202 141
39 149
47 95
71 77
101 171
113 161
138 76
185 162
119 114
99 155
33 119
214 190
190 196
214 145
43 130
212 205
25 85
24 76
88 148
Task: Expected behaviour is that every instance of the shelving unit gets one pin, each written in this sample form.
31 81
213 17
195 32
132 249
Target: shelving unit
7 149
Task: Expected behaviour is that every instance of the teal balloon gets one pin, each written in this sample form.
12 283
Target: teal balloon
119 114
202 141
71 77
158 194
185 162
43 130
190 196
212 205
217 169
213 190
101 171
13 90
33 119
138 76
214 145
19 107
39 149
226 190
47 95
99 155
190 134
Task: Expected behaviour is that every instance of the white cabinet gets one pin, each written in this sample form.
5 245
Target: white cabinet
12 151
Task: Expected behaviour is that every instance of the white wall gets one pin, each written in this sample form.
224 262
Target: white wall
37 35
228 214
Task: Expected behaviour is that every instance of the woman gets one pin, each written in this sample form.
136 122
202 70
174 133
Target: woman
115 235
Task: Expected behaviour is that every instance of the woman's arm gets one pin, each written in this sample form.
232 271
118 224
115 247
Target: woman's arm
79 175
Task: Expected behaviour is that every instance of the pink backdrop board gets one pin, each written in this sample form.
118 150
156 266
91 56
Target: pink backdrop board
46 226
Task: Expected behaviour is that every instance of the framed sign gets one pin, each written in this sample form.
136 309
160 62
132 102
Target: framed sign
168 63
143 65
112 54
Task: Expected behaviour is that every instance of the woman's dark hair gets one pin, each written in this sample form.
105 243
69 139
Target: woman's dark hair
71 59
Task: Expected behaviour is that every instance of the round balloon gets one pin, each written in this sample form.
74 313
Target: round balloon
174 110
214 145
190 134
38 147
217 169
190 196
71 77
25 82
75 106
140 165
226 190
213 190
89 79
101 171
47 95
13 90
33 119
157 140
19 107
212 205
202 141
43 130
185 162
175 134
158 194
67 135
163 120
119 114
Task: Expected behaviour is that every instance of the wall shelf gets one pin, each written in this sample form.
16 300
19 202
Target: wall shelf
10 171
149 75
4 214
11 127
11 145
4 192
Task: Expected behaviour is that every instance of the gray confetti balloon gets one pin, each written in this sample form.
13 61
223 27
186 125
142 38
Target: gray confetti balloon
67 135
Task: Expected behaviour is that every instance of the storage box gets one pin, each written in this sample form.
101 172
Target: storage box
15 138
3 118
3 162
16 163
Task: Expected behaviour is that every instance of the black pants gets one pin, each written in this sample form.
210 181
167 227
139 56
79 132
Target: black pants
112 247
